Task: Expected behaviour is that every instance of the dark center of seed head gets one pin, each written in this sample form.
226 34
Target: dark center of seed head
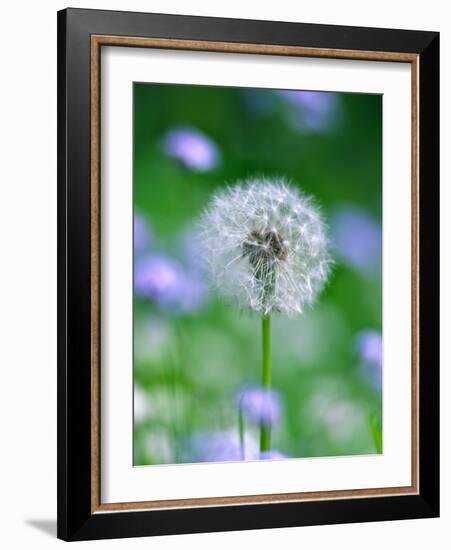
263 247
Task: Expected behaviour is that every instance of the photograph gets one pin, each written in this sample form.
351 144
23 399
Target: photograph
257 274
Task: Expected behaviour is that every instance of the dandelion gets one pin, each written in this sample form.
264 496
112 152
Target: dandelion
266 248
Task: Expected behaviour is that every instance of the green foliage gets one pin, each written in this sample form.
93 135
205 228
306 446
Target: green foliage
376 432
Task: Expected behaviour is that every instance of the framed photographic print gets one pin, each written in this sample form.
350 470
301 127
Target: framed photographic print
248 274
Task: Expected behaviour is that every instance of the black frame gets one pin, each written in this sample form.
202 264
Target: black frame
75 520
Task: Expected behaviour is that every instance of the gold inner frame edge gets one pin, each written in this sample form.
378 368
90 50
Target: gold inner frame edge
97 41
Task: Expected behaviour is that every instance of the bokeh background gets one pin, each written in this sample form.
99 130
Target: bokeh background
193 355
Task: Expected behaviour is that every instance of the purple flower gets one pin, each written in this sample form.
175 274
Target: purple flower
358 239
168 284
141 233
369 348
260 405
223 447
274 454
194 149
192 292
369 345
314 111
187 249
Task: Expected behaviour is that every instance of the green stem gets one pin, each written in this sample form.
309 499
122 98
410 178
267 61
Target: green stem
241 431
265 431
173 378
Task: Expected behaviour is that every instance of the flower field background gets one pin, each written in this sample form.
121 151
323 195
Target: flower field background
197 361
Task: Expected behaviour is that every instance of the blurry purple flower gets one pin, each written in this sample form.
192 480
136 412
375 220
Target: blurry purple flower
369 348
141 234
260 405
195 292
187 249
274 454
314 111
223 447
157 276
358 239
369 345
194 149
168 284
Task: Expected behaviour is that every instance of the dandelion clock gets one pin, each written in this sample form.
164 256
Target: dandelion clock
265 244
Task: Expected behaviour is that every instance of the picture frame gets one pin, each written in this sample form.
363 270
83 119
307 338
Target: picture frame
81 36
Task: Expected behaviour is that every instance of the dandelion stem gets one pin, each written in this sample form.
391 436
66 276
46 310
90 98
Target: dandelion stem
265 431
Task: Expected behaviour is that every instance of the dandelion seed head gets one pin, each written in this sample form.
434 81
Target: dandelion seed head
265 246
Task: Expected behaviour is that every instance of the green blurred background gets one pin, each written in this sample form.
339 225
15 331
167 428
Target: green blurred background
192 352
